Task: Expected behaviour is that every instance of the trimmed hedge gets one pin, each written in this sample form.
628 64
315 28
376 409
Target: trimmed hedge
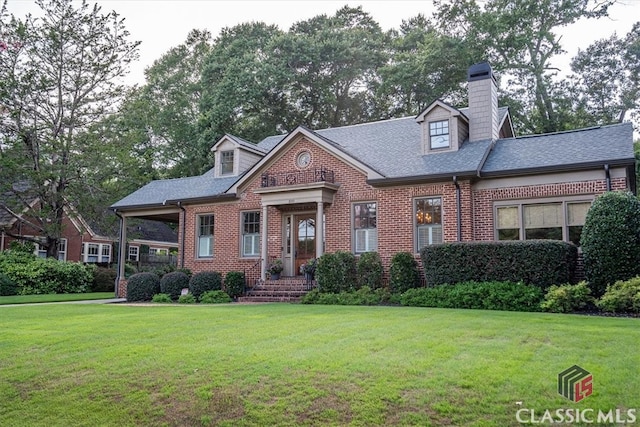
538 262
363 296
7 287
142 287
403 272
205 281
506 296
336 272
622 297
104 279
369 270
234 283
611 240
34 275
173 283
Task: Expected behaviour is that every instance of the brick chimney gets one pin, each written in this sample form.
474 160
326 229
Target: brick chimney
483 103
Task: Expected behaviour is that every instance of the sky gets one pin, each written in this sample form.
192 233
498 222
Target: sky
163 24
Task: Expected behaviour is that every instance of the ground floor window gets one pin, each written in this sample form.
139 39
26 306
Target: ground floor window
205 236
428 221
134 253
41 251
556 220
365 220
251 234
96 253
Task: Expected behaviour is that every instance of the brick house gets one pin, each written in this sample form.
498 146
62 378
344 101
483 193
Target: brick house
449 174
81 241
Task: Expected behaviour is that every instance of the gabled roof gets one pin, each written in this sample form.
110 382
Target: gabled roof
250 146
440 103
582 148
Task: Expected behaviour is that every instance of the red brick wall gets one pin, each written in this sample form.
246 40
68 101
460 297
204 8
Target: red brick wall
394 205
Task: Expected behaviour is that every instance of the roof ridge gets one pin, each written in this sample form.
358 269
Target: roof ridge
562 132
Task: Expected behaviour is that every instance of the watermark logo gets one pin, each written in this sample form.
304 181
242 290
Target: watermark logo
575 383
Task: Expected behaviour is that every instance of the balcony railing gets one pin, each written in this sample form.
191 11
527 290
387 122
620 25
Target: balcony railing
297 177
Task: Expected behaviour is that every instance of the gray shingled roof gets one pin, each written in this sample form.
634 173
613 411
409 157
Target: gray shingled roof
158 192
247 144
392 147
599 145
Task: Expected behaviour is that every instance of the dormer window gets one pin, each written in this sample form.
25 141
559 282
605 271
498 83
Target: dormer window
439 134
226 162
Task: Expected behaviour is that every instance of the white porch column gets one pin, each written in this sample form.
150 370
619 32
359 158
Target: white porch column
319 230
264 230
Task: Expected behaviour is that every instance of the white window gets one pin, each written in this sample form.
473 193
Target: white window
226 162
365 227
556 220
158 252
62 249
428 214
96 253
205 236
134 253
439 134
250 234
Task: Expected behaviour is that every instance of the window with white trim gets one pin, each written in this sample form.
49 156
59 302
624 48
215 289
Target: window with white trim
205 236
365 229
226 162
439 134
251 234
96 253
41 251
428 214
556 220
133 253
158 251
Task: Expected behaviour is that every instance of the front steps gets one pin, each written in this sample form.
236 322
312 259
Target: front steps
286 289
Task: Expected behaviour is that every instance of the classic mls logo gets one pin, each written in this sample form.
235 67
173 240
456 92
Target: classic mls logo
575 383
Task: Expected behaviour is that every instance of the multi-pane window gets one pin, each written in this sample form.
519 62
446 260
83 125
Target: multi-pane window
365 227
62 249
561 220
134 253
106 253
439 134
41 250
226 162
428 213
250 234
205 236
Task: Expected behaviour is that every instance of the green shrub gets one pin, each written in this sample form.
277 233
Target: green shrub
369 270
234 283
215 297
403 272
185 271
477 295
611 240
537 262
7 287
129 270
162 298
187 299
45 276
363 296
104 279
142 286
622 297
173 283
336 272
205 281
567 298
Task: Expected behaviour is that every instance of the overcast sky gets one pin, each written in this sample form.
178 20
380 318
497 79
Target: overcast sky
162 24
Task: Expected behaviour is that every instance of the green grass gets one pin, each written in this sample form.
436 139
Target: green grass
32 299
286 364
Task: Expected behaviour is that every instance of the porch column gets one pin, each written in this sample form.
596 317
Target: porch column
319 230
264 230
122 253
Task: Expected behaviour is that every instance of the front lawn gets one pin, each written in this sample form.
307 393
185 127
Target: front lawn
33 299
287 364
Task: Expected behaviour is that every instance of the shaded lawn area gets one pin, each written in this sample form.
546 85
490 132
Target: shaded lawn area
34 299
287 364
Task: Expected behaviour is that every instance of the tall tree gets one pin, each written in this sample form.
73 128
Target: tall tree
607 79
61 74
519 38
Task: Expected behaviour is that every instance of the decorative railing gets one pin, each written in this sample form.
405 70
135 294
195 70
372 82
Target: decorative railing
297 177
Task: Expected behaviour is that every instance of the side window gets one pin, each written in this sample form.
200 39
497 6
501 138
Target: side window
250 234
226 162
205 236
428 214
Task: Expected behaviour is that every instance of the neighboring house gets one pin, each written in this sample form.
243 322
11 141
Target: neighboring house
449 174
83 242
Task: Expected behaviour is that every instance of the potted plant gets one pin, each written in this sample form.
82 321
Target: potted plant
275 268
309 269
